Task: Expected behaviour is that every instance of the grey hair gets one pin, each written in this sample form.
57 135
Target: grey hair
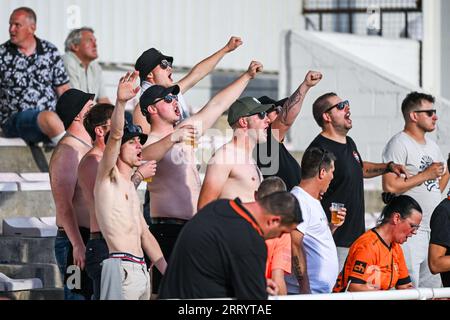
74 37
31 15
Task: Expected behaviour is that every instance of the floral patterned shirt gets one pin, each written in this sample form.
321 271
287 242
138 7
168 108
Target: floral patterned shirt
29 82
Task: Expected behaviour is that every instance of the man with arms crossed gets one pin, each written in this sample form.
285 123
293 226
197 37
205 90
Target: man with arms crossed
118 209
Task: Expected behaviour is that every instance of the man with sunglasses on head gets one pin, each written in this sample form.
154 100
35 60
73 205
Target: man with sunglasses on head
97 123
118 208
272 156
332 114
176 186
155 68
424 160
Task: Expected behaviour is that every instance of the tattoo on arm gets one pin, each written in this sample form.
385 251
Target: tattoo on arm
297 269
136 179
289 104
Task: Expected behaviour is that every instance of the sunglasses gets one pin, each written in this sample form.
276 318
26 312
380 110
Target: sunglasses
429 113
167 99
340 106
132 128
164 64
277 110
261 115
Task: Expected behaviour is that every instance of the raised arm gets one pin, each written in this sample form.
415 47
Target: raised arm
125 91
209 114
293 105
216 175
204 67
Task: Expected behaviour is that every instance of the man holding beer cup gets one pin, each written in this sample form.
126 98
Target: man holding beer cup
314 255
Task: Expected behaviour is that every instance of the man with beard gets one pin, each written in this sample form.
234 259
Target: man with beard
332 114
423 158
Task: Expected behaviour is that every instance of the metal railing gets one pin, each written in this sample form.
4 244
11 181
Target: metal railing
384 18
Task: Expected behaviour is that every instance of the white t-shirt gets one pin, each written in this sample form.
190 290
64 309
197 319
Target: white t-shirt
403 149
181 101
321 254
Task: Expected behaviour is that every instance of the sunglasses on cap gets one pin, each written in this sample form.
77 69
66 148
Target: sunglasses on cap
340 106
164 64
276 109
168 99
429 113
132 128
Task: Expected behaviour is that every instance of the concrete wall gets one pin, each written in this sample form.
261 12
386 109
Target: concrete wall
399 57
375 95
189 30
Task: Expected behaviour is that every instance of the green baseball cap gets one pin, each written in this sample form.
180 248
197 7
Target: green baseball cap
245 107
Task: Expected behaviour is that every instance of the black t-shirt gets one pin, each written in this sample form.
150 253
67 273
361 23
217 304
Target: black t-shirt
347 187
440 232
274 159
217 254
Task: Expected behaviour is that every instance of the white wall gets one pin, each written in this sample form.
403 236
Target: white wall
399 57
375 95
187 29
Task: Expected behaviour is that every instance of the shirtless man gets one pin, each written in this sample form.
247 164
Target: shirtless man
176 186
72 217
97 123
232 171
118 209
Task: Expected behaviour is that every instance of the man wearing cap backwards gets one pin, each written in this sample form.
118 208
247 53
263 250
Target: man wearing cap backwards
118 209
272 157
156 68
332 114
71 212
232 171
176 185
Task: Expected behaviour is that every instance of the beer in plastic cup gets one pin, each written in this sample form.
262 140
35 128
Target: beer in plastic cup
335 207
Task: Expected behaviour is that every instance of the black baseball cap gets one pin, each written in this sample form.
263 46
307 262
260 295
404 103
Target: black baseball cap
129 132
70 104
148 61
268 100
154 93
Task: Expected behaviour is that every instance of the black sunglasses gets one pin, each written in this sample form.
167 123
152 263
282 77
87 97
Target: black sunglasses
261 115
164 64
132 128
429 113
277 110
340 106
167 99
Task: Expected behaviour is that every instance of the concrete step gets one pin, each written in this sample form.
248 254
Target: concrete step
23 158
27 250
35 294
48 273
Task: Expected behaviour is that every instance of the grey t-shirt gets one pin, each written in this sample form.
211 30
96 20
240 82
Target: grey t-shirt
403 149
